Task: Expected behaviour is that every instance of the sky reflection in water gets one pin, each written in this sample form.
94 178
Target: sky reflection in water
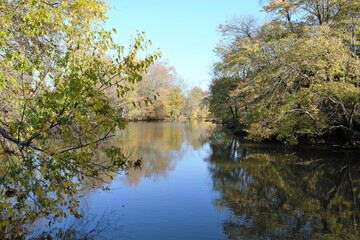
200 184
171 196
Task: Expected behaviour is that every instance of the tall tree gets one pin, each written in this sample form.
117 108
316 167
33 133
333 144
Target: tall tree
55 110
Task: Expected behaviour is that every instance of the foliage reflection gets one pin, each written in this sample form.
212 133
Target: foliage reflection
158 145
277 193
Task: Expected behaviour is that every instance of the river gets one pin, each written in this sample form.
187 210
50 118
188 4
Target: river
199 182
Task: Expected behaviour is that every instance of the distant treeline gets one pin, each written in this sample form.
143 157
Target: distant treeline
161 95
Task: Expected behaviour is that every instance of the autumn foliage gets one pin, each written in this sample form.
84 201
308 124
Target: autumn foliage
295 77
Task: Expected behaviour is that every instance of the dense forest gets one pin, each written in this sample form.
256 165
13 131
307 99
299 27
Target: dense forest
294 78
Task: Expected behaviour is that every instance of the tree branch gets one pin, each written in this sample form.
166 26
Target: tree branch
23 144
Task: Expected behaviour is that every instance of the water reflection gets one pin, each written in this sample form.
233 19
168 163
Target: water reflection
157 143
240 191
274 193
91 226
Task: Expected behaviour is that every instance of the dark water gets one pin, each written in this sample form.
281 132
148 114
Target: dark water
197 183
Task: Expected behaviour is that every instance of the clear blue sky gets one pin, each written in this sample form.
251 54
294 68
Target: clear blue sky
184 30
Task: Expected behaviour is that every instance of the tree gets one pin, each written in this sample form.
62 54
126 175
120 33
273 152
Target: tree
294 77
341 15
158 96
222 104
55 111
152 90
194 105
301 77
174 103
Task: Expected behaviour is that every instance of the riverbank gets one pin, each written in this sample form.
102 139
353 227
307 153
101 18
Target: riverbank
324 143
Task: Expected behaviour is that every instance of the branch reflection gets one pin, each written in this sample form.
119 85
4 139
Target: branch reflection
277 193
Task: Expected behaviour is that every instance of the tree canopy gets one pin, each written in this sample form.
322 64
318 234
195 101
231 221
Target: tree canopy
58 66
294 77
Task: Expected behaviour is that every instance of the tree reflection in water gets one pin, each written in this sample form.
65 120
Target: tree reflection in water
157 144
89 227
277 193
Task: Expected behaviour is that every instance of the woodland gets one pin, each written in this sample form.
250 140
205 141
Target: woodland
292 79
66 87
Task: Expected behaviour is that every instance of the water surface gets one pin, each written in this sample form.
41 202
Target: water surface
197 183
